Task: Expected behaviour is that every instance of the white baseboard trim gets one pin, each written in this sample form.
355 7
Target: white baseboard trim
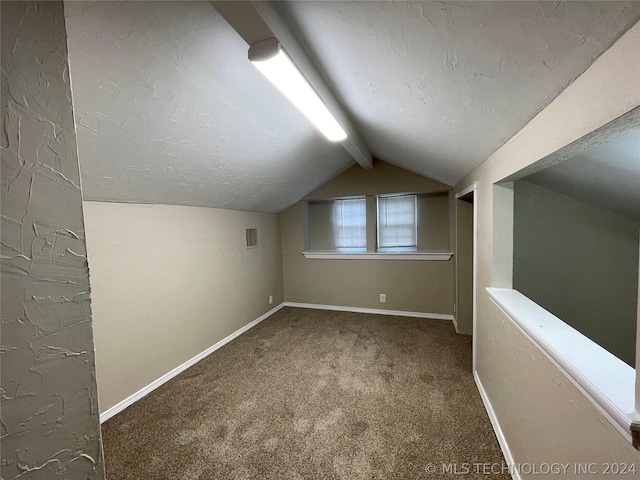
107 414
508 458
455 323
375 311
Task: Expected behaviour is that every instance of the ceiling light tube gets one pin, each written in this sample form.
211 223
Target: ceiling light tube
273 62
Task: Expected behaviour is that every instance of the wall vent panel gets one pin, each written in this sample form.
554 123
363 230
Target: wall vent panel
252 237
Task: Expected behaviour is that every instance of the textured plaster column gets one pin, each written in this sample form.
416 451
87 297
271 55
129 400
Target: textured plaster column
50 423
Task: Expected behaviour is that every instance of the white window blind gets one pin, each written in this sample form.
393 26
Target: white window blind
350 224
397 223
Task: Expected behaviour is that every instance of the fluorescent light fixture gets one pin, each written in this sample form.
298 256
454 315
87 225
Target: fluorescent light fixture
269 57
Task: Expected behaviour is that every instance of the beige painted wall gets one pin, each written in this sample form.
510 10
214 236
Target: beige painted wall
464 272
433 221
320 225
382 178
414 286
170 281
543 416
580 262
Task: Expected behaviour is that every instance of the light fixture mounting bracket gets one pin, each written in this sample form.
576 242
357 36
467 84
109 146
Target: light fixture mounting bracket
264 49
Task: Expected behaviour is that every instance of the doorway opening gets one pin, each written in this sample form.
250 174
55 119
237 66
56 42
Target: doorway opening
465 261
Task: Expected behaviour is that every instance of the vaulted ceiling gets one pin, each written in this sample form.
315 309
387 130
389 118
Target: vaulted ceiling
437 87
169 109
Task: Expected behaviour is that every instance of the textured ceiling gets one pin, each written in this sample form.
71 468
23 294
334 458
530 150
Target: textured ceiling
607 176
437 87
169 110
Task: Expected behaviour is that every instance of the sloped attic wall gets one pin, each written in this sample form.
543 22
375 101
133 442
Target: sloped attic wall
170 111
411 286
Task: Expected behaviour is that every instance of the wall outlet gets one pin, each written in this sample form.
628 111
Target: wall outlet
383 298
270 299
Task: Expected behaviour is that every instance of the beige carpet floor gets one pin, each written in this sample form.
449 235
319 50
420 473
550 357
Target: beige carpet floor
310 394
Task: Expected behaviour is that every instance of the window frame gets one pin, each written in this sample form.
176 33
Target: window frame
371 216
343 249
397 249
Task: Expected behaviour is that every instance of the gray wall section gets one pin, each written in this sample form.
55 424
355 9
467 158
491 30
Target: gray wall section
464 251
50 425
580 262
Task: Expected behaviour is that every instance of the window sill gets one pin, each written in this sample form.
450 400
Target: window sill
607 381
443 256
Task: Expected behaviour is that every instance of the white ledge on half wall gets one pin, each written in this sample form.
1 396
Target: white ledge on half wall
603 378
444 256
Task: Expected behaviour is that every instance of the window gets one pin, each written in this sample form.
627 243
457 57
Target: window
397 225
350 225
409 227
338 225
